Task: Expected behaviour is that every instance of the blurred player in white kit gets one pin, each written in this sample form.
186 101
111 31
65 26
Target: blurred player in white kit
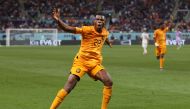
145 39
178 38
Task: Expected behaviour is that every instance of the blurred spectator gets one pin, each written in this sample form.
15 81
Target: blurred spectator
127 15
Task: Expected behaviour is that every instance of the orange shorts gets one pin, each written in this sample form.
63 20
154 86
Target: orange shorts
81 67
160 50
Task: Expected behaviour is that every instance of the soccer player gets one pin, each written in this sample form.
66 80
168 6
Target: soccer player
145 39
160 41
178 38
88 59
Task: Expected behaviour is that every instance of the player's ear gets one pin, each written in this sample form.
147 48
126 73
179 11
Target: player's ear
104 23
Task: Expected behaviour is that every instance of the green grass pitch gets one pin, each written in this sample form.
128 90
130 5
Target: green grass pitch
31 76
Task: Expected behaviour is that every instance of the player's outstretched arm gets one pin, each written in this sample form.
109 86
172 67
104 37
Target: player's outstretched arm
62 25
169 23
108 42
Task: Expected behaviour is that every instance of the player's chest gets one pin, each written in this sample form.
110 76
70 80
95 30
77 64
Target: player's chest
96 40
162 37
93 36
161 34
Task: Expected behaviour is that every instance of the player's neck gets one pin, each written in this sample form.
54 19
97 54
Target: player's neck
99 30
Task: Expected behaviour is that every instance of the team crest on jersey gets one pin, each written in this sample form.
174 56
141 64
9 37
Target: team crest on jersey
78 70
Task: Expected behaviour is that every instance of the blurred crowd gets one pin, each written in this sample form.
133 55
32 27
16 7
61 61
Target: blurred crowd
125 15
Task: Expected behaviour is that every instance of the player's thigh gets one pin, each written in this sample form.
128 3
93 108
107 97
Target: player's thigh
78 68
99 73
71 82
78 71
104 77
95 70
157 51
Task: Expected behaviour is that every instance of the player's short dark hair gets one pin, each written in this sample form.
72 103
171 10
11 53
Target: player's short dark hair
102 16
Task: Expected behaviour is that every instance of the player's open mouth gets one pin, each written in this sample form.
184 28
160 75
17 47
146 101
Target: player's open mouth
99 25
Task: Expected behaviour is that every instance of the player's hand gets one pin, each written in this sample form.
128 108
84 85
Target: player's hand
110 45
56 14
108 42
171 17
156 44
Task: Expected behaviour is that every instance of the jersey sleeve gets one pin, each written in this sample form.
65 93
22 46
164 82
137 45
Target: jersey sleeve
155 34
79 30
84 30
166 29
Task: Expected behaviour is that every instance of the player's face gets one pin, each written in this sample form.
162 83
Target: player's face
99 22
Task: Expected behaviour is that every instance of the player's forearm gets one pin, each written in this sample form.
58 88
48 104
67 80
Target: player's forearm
170 23
66 27
108 42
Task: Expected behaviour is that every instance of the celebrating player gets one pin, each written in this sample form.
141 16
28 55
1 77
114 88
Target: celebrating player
160 41
145 38
88 59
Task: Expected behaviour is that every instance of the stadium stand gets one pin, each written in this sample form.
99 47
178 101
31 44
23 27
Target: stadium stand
127 15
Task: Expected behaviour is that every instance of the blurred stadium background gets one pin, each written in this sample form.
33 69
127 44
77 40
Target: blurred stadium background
31 75
128 17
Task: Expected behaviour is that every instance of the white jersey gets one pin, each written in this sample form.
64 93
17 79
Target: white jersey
145 38
178 35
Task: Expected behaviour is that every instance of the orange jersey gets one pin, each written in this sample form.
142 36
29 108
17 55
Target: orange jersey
160 36
91 43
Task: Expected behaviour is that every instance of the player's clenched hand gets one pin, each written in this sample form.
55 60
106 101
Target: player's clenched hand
56 14
156 44
110 44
